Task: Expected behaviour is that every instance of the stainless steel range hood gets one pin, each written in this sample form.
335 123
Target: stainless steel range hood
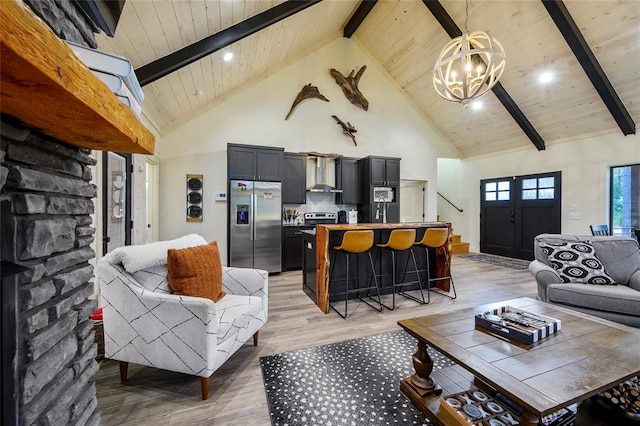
321 178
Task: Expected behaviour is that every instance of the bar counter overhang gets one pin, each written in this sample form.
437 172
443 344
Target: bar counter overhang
325 238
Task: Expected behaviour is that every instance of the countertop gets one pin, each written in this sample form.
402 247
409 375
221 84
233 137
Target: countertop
347 227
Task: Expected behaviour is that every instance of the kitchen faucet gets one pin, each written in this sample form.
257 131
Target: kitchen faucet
384 209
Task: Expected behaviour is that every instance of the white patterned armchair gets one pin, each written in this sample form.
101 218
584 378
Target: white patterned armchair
145 324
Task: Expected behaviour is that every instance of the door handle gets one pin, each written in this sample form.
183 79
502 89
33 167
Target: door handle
106 239
254 200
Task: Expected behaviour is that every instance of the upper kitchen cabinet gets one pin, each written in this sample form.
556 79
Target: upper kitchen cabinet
382 170
348 180
294 182
251 162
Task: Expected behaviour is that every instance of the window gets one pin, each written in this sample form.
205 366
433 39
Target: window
624 204
542 188
497 191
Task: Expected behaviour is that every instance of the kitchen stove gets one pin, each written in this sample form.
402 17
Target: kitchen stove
319 218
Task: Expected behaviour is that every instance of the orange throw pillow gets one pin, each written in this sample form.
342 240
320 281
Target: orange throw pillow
196 271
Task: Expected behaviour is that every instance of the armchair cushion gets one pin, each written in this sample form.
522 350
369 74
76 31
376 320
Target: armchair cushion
196 271
617 298
576 262
621 258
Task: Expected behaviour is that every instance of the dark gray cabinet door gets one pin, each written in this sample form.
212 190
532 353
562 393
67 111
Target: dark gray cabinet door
292 250
294 181
348 179
378 167
248 162
392 172
270 165
242 162
384 171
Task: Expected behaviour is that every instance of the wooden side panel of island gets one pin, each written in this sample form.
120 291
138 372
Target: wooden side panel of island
323 260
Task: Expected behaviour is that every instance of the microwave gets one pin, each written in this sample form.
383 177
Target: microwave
383 194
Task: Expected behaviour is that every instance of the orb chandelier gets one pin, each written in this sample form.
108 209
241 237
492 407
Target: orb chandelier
469 65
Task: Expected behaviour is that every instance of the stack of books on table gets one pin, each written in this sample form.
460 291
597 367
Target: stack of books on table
116 72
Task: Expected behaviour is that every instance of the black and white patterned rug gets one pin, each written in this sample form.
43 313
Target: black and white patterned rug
506 262
354 382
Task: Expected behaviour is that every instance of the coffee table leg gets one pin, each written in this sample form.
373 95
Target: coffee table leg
421 379
529 418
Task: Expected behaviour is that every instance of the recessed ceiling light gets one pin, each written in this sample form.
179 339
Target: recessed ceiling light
476 105
228 56
198 93
545 77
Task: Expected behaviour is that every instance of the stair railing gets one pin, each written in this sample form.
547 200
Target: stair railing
454 206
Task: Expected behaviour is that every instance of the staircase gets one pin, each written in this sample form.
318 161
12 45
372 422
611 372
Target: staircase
458 246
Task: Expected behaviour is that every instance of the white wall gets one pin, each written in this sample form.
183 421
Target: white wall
392 127
584 165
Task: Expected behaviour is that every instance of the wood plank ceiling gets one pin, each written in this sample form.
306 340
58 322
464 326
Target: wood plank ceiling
405 38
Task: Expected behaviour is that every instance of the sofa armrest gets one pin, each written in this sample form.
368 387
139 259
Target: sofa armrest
246 281
544 275
634 280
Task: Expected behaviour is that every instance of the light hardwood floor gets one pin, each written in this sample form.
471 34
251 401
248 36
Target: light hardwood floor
236 395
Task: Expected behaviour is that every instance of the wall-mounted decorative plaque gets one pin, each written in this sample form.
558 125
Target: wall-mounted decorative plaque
194 198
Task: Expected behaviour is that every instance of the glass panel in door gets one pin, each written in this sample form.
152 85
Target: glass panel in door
116 201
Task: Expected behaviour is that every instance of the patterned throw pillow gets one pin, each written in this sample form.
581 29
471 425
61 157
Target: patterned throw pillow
576 262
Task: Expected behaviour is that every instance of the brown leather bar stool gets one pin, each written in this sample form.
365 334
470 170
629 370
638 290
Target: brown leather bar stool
437 238
356 242
402 240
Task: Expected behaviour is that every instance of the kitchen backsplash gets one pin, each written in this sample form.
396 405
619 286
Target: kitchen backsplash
317 202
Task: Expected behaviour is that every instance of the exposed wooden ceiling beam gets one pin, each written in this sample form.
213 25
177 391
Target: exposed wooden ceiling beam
174 61
571 33
512 108
358 17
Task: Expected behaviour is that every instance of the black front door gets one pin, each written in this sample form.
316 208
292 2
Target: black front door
513 210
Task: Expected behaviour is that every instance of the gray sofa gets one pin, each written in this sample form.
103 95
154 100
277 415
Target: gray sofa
620 257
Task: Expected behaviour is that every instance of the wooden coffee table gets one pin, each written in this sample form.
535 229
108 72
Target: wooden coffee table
586 356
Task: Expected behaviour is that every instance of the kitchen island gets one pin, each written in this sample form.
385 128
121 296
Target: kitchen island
319 244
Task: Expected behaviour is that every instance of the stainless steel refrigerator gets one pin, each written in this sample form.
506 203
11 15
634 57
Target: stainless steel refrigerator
255 225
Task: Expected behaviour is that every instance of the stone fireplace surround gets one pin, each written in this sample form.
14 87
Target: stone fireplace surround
46 202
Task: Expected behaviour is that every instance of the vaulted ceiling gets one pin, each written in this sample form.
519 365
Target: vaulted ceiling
405 37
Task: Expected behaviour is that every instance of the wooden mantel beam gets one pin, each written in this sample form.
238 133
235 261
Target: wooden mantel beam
45 86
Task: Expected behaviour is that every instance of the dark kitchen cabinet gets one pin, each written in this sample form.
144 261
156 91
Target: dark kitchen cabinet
382 171
294 181
292 248
249 162
379 172
348 180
